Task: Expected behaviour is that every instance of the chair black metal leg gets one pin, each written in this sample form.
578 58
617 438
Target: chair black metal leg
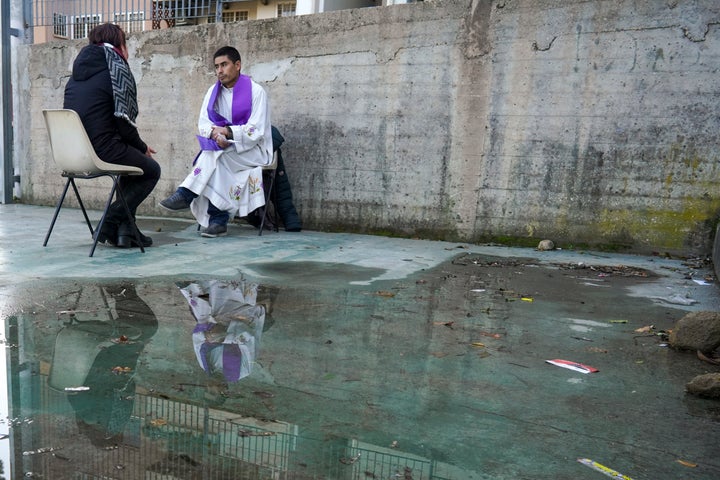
263 212
57 211
82 207
274 196
264 209
102 219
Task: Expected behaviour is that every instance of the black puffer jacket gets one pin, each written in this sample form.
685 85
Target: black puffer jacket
89 93
285 206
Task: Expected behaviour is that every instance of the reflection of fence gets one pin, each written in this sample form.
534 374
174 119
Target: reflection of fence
170 439
74 18
242 447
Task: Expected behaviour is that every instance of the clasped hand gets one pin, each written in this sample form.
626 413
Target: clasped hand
220 135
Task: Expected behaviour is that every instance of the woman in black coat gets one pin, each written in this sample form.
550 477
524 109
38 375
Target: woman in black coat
102 91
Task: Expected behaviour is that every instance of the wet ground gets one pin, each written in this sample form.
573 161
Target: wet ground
369 358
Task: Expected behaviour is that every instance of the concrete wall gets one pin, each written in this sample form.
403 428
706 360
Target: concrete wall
586 122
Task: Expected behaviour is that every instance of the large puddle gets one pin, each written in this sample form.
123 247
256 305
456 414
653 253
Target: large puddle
438 376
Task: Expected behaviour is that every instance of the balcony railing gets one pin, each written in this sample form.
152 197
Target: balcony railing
74 18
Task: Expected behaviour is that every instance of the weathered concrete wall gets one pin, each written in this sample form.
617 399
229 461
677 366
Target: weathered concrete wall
584 122
602 122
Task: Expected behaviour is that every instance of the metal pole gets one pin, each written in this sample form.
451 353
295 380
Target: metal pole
7 113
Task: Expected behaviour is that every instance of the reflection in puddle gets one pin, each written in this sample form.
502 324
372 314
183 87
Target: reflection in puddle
95 359
105 386
440 376
229 325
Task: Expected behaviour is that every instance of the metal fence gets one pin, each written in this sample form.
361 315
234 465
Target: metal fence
75 18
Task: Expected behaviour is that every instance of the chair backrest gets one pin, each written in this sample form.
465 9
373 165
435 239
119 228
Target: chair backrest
71 148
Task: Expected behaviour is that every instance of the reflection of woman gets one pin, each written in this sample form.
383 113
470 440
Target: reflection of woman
229 325
102 91
103 410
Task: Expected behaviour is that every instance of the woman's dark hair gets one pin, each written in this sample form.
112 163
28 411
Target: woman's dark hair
107 33
230 52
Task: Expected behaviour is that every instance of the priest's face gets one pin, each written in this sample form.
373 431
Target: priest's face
227 71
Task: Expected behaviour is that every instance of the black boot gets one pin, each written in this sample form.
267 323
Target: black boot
108 234
126 237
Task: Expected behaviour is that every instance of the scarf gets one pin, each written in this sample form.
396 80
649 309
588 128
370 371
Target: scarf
241 109
123 86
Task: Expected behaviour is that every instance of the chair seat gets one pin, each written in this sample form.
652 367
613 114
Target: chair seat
113 168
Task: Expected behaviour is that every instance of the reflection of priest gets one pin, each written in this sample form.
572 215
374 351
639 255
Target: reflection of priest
229 325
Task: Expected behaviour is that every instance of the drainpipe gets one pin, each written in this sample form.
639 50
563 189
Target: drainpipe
7 135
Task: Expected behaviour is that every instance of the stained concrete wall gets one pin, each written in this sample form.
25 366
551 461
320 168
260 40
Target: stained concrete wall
587 122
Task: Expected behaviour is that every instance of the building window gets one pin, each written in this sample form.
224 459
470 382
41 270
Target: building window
82 24
59 25
228 17
286 9
131 21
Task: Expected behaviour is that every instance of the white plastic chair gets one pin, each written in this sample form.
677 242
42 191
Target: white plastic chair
74 154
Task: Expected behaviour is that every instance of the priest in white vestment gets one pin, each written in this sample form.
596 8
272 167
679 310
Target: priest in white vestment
236 141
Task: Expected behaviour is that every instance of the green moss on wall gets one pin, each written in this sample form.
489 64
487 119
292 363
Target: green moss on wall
664 228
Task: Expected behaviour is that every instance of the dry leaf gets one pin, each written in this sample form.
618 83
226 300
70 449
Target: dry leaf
597 350
383 293
444 324
710 359
686 463
645 329
492 335
158 422
263 394
477 344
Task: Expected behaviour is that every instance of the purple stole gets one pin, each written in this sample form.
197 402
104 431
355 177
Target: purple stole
231 355
241 109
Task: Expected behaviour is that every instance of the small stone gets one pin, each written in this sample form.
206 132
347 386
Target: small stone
697 331
546 245
707 385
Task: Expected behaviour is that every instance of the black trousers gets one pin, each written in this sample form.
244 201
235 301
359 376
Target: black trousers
135 188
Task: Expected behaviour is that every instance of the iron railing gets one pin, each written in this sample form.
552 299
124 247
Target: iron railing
74 18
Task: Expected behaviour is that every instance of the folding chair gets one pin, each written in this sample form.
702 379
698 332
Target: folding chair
74 154
265 212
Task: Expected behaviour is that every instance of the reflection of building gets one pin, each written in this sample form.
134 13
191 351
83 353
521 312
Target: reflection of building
73 19
168 440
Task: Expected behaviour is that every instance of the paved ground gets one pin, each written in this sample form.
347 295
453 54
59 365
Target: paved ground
426 359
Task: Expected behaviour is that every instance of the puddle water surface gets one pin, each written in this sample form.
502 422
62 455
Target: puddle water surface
315 376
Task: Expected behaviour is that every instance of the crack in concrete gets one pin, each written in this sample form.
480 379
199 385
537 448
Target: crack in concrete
381 59
537 48
688 35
